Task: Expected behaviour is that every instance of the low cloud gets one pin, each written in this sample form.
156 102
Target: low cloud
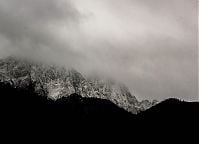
150 45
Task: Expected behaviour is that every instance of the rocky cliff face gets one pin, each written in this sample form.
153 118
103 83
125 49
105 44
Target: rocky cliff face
56 82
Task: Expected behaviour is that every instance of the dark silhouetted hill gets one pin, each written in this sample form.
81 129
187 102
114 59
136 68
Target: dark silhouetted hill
172 108
19 103
172 113
24 107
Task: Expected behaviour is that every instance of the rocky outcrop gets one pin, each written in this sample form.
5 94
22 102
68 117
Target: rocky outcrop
57 82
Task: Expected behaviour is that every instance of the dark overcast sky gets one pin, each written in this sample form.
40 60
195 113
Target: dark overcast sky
150 45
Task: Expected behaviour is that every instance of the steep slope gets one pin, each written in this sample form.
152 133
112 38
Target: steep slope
19 103
57 82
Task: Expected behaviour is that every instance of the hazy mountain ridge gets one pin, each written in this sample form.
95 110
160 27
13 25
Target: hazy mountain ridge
57 82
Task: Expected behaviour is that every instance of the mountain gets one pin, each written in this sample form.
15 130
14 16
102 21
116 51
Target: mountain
49 100
57 82
172 110
20 106
25 114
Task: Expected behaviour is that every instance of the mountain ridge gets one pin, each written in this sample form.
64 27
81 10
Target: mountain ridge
23 105
57 82
24 112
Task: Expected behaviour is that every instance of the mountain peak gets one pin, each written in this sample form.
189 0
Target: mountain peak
56 82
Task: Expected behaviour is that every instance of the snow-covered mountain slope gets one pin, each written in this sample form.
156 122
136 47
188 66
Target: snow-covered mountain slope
57 82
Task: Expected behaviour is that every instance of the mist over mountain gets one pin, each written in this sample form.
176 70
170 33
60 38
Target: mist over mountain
38 96
94 68
149 45
57 82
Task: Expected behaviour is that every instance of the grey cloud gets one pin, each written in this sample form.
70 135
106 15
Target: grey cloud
27 24
150 45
